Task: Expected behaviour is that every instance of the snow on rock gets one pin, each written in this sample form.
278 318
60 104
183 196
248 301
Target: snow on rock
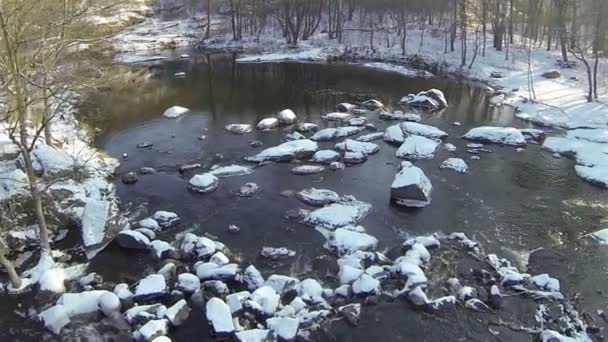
418 297
109 303
149 223
455 164
346 241
411 188
165 219
267 123
306 127
239 128
592 135
371 137
304 170
299 149
212 271
360 121
399 116
497 135
372 104
318 197
248 190
394 135
123 292
328 134
203 183
230 171
153 329
195 246
178 313
253 335
98 221
417 147
345 107
52 280
287 117
175 112
596 175
423 130
265 299
427 241
281 283
235 301
544 281
151 287
132 239
352 158
295 136
432 99
253 278
325 157
187 283
283 328
349 211
277 253
219 317
339 116
601 236
350 145
311 291
161 248
366 285
449 147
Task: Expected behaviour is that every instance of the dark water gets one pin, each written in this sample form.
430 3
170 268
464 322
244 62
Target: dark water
511 202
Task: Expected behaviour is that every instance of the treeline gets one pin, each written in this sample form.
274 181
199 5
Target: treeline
576 28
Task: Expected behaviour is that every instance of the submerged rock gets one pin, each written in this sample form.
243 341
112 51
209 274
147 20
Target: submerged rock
299 149
304 170
277 253
337 166
295 136
411 188
248 190
417 147
129 178
203 183
318 197
352 313
175 112
498 135
239 128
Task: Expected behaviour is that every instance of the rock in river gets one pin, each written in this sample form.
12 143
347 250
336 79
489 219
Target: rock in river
498 135
350 145
129 178
239 128
286 117
411 188
349 211
175 112
132 239
318 197
203 183
299 149
219 317
304 170
417 147
230 170
455 164
248 190
423 130
267 123
325 157
432 99
329 134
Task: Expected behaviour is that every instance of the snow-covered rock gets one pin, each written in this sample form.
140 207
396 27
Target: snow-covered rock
427 241
350 145
149 223
449 147
109 303
230 171
266 300
212 271
203 183
304 170
352 158
267 123
394 135
151 287
277 252
411 188
239 128
132 239
175 112
299 149
318 197
345 107
123 292
360 121
417 147
423 130
544 281
601 236
371 137
253 278
497 135
325 157
596 175
161 248
338 116
432 99
248 190
455 164
99 220
306 127
295 136
418 297
178 313
219 317
235 301
346 241
366 285
329 134
154 329
283 328
287 117
349 211
187 283
372 104
165 219
253 335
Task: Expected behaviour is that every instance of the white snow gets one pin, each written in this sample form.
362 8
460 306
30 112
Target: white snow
204 183
366 285
455 164
544 281
175 112
601 236
153 329
498 135
253 278
394 135
417 147
283 328
350 145
286 151
345 241
219 316
267 299
286 117
70 305
423 130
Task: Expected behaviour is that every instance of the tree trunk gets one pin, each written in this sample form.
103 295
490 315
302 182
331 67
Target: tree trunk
208 29
14 278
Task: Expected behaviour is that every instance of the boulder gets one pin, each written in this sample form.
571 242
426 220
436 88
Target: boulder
394 135
151 287
299 149
100 221
455 164
165 219
345 107
187 283
248 190
432 99
372 104
286 117
219 317
325 157
553 74
154 329
175 112
411 188
417 147
267 123
497 135
349 211
178 313
350 145
423 130
318 197
304 170
239 128
306 127
203 183
366 285
132 239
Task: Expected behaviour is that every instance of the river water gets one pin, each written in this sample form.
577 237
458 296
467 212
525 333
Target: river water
512 202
